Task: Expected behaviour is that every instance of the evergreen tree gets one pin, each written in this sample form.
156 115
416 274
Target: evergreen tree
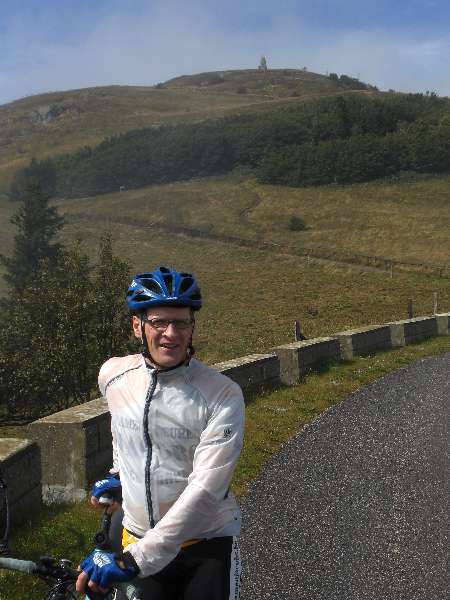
37 225
42 172
56 333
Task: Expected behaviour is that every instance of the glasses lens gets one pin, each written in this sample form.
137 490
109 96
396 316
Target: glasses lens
163 324
159 324
182 323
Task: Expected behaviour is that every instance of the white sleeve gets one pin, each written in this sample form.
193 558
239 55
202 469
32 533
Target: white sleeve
102 387
196 511
114 470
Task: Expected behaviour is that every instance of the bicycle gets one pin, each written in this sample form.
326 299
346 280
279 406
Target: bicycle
59 574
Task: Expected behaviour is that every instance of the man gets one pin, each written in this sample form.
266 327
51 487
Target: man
177 429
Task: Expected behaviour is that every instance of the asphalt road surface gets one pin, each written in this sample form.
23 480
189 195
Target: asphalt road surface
356 506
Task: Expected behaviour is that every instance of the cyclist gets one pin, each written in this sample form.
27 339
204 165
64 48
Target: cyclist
177 428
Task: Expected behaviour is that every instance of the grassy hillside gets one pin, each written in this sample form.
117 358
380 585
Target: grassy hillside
59 122
194 225
235 234
254 294
403 220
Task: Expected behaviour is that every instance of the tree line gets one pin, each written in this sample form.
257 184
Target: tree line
346 138
357 158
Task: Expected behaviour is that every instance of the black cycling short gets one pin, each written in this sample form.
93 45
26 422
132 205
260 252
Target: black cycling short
207 570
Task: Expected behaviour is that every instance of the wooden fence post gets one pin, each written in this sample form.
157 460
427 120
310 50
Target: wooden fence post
435 303
410 309
299 337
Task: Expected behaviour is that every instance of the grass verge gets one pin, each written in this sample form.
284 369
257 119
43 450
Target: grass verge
272 418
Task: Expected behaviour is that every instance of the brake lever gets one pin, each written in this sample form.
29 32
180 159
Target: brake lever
101 538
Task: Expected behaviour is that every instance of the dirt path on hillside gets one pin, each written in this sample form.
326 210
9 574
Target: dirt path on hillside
258 244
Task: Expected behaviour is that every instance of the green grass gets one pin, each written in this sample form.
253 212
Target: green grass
58 531
404 220
253 297
271 419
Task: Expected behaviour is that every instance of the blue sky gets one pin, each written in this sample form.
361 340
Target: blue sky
62 44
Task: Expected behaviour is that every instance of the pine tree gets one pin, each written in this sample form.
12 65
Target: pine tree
37 225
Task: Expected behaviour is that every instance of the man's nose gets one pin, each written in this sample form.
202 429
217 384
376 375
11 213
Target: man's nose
171 330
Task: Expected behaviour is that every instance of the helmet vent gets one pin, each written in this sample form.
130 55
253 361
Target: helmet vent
186 284
168 280
151 285
141 298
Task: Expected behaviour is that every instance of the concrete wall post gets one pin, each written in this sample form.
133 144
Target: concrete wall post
20 462
297 358
76 449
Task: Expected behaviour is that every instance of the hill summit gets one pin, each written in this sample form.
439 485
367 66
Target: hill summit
273 82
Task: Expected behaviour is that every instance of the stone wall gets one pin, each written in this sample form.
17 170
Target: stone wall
76 449
20 465
254 372
74 445
363 341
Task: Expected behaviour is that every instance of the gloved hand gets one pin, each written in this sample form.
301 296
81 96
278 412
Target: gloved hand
103 569
109 486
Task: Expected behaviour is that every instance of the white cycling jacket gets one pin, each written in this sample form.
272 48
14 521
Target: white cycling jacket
177 436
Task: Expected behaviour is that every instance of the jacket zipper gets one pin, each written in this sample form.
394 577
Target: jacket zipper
148 441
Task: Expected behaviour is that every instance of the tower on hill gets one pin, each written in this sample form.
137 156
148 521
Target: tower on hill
262 64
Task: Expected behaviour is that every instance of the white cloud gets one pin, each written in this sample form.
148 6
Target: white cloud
162 44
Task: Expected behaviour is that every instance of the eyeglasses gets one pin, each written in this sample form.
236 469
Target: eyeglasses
163 324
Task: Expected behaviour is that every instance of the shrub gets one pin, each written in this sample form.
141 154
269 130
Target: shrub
297 224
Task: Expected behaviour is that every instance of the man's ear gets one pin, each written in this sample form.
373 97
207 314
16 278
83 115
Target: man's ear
136 324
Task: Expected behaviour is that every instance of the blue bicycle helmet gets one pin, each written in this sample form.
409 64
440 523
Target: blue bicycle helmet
163 287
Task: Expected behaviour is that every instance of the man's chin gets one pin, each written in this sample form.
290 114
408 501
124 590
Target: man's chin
167 360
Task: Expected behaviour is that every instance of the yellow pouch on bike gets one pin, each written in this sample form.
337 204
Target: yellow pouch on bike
129 538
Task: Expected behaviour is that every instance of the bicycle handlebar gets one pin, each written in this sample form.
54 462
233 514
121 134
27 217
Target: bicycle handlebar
14 564
31 568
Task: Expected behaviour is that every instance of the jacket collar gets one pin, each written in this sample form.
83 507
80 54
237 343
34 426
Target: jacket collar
173 371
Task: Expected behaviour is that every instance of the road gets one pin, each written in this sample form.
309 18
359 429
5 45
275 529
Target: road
356 506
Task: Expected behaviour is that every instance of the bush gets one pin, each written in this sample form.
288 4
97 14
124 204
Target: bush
297 224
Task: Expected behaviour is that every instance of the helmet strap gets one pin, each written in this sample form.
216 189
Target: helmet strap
145 351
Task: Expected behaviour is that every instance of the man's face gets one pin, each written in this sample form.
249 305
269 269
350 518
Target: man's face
168 347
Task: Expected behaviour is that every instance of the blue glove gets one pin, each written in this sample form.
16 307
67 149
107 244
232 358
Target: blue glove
109 485
103 569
